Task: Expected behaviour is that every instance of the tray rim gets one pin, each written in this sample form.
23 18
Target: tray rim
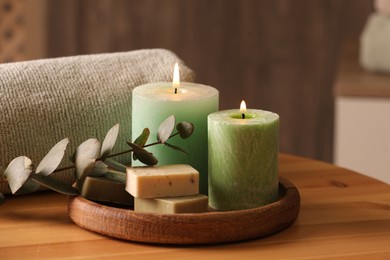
191 228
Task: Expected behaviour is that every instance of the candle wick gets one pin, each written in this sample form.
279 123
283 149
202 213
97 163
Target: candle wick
243 116
175 90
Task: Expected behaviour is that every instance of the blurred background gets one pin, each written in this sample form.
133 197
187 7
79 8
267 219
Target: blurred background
279 55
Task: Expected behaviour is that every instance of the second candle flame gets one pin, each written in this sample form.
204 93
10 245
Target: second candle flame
243 109
176 77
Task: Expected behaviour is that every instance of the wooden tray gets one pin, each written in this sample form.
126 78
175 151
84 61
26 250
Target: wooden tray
199 228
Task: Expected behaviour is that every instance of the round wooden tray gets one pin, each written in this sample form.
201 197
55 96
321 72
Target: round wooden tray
197 228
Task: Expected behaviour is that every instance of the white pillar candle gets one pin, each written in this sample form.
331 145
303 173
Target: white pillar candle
243 159
153 103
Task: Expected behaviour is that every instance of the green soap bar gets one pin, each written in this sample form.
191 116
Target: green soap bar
107 189
170 205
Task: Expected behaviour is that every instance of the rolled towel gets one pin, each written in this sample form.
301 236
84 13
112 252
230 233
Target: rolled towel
80 97
374 54
382 7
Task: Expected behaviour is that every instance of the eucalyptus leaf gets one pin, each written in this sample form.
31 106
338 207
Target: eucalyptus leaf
54 184
176 148
115 165
17 172
143 155
2 198
109 141
85 157
28 187
53 158
100 169
83 169
115 176
141 140
165 129
185 129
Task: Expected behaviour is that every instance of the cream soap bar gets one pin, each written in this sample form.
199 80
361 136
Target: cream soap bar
187 204
108 189
162 181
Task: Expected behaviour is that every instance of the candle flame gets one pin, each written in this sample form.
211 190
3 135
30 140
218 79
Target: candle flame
243 107
176 77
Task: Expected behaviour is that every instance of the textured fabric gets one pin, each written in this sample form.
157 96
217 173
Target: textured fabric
374 54
80 97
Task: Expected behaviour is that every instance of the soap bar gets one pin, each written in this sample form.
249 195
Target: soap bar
162 181
186 204
107 189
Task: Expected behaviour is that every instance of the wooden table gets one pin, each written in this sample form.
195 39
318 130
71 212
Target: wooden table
343 215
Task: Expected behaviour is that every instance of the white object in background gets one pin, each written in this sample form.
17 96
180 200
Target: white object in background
374 54
362 136
382 6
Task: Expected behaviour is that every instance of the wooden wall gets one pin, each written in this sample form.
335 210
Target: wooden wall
12 31
278 55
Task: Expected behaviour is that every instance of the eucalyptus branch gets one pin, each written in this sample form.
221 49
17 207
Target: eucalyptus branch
88 159
64 168
145 146
112 155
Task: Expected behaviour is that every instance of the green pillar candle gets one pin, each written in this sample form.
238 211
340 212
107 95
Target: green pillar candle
153 103
243 159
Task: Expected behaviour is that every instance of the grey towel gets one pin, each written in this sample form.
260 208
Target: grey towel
80 97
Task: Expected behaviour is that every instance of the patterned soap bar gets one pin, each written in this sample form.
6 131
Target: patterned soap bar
162 181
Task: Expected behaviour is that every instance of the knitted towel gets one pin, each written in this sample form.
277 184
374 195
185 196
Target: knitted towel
79 97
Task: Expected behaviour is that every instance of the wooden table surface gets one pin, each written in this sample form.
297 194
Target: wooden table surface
343 215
